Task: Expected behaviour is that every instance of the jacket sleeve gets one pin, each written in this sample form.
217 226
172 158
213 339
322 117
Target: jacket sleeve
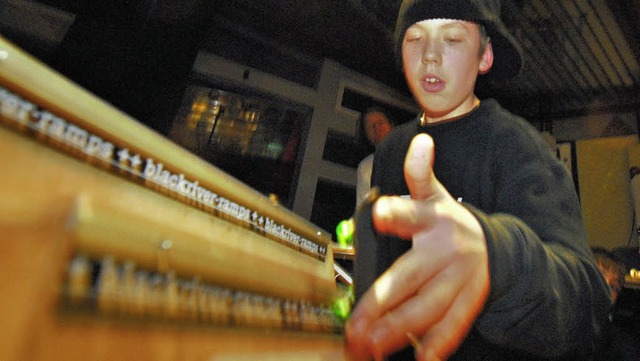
547 296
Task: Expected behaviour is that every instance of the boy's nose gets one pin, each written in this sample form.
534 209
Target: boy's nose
431 54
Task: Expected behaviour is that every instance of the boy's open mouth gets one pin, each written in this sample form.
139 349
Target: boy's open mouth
432 83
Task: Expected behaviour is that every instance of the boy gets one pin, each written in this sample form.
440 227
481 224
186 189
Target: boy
488 257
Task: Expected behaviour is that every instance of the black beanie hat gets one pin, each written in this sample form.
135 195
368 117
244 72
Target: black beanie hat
507 61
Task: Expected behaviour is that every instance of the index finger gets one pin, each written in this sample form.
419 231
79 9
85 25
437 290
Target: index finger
404 217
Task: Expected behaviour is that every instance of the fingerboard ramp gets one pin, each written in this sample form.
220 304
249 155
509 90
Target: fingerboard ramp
116 239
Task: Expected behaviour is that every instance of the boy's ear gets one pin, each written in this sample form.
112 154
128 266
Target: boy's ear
486 61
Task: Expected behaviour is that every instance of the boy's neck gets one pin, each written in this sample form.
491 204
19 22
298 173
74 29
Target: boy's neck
424 120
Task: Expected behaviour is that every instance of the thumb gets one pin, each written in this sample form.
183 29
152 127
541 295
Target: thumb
418 168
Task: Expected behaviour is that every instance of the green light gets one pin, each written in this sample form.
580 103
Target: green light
342 306
342 309
344 232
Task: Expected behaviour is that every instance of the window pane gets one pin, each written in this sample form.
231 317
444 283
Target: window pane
255 139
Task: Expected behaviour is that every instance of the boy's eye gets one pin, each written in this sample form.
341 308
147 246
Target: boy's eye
412 35
452 37
412 38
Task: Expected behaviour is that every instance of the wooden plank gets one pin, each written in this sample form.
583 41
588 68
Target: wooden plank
30 79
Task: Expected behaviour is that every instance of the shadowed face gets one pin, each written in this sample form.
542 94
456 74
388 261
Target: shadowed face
376 126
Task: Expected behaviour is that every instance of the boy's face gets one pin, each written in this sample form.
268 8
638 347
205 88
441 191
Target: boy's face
441 60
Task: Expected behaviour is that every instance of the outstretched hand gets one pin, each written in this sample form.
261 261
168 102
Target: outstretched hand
432 295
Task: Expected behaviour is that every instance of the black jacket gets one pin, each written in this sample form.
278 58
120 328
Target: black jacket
547 298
